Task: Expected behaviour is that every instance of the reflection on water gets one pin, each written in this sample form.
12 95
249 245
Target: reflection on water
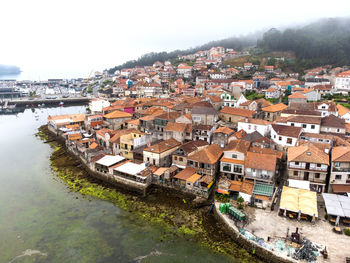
42 221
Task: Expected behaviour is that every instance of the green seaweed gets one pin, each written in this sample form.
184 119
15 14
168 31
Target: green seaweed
183 220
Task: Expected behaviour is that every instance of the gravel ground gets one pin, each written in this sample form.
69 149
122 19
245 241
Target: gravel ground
268 224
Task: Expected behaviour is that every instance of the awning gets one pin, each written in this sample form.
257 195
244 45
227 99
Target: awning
295 200
301 184
220 191
337 205
340 188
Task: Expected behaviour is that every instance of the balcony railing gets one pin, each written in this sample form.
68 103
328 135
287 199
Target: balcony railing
339 169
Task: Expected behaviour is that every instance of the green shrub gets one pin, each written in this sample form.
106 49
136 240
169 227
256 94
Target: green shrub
240 200
347 231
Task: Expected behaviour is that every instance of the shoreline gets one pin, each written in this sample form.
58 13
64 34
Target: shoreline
173 211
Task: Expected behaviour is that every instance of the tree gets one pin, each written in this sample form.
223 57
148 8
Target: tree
89 90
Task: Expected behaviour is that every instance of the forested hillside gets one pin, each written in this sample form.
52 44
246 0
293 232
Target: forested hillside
326 41
237 43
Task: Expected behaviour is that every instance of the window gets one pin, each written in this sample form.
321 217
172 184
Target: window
147 159
318 165
312 126
304 125
280 138
308 153
337 164
154 162
181 159
317 175
274 136
175 158
226 167
295 173
234 156
255 127
237 169
289 140
296 163
338 130
249 126
348 176
292 124
338 176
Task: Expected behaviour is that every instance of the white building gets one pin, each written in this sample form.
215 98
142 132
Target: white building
96 105
272 93
307 123
312 95
284 135
342 81
250 125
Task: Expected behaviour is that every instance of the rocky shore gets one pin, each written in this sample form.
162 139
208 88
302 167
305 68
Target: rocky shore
177 214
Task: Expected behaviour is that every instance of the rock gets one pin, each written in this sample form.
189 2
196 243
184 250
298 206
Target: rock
199 202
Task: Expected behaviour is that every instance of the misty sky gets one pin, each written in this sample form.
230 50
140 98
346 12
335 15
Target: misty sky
59 38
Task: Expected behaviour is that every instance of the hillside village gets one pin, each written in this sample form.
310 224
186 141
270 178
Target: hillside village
196 127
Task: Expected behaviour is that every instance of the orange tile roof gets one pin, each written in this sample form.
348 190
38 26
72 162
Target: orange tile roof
74 136
307 90
238 146
247 187
341 154
256 121
228 160
209 155
148 118
278 154
342 110
297 95
117 114
133 122
238 112
260 161
163 146
176 127
93 146
186 173
160 171
225 130
193 178
235 186
240 134
345 74
307 153
275 107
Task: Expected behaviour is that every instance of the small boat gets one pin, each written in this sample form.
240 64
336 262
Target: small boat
61 103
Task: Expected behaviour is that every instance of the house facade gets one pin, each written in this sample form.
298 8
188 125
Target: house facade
339 182
309 163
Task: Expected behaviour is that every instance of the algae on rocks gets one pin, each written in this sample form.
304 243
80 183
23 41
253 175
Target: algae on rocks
176 216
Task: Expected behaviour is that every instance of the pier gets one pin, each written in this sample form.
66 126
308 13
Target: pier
36 102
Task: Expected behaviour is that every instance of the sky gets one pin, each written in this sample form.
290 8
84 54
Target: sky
71 38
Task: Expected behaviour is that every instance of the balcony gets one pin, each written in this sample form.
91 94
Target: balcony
342 170
260 176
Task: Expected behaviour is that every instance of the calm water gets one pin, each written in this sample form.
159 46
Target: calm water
38 212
